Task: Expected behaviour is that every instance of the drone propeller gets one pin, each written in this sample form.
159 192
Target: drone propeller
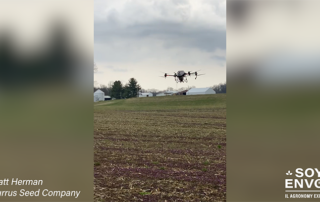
165 75
198 75
193 72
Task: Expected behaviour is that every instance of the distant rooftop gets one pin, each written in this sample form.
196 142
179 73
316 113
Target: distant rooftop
99 91
198 89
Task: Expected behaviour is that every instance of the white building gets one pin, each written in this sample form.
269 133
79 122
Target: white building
200 91
167 93
171 92
145 95
98 96
161 94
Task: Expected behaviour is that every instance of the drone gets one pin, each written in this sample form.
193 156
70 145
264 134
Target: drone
181 76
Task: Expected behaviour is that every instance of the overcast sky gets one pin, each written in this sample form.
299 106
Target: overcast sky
142 38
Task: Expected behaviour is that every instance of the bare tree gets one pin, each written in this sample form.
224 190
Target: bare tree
221 88
169 89
105 89
110 84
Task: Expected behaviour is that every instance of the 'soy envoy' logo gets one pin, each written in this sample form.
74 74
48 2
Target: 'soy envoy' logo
306 183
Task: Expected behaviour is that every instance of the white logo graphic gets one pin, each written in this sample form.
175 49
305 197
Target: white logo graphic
305 183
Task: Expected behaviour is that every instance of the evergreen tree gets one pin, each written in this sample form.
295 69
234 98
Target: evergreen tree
117 90
127 92
133 87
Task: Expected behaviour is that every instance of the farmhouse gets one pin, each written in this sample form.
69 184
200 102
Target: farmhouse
145 95
200 91
98 96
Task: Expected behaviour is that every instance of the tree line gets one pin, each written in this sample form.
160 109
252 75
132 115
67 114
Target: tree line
132 89
117 90
220 88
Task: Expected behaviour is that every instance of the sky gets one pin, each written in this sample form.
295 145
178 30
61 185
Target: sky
144 39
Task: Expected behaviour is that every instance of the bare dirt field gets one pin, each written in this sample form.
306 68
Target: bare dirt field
169 148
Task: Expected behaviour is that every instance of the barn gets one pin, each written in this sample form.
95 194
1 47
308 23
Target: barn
161 94
200 91
145 95
166 93
98 96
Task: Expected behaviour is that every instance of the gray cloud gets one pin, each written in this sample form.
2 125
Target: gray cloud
137 35
115 69
171 33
